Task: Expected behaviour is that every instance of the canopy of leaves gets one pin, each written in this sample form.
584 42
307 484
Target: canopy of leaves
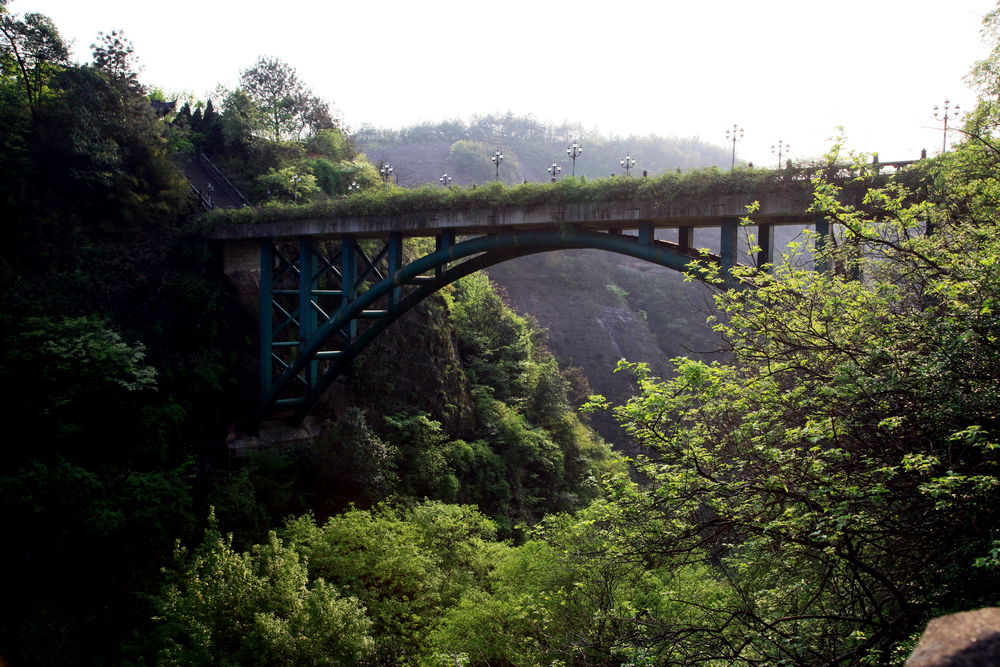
257 608
31 48
841 470
287 106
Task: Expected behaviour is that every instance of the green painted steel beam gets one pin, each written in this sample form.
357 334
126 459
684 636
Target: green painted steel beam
266 325
395 263
348 287
442 242
765 241
647 232
307 315
728 243
822 239
685 238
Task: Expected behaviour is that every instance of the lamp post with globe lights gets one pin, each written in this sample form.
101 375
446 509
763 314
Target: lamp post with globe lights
945 116
782 148
628 162
386 171
573 151
733 135
496 159
554 170
445 180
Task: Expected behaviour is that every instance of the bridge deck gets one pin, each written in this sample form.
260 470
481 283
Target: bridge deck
790 207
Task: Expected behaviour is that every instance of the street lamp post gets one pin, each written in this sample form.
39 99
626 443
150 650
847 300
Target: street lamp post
497 159
386 172
554 170
735 135
782 148
628 162
353 187
445 180
574 151
295 187
944 117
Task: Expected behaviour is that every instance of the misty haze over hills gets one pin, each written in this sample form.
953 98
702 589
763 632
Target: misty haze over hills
420 154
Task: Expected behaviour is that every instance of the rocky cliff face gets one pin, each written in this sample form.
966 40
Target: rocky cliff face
589 327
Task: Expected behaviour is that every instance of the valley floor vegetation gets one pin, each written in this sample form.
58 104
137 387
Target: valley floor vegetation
814 500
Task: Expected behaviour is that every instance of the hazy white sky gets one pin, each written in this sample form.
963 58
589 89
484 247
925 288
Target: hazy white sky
792 70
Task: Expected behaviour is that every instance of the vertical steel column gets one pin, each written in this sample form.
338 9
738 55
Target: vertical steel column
307 314
728 250
822 239
349 280
444 241
765 241
647 233
395 263
685 238
266 324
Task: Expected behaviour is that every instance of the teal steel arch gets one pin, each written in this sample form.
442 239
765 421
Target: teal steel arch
451 261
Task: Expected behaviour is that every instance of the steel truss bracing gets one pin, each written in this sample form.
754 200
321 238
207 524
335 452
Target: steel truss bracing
303 287
323 302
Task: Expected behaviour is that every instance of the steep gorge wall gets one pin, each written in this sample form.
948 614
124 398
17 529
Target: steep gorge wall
588 327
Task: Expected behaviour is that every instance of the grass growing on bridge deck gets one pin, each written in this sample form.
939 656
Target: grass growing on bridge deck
394 200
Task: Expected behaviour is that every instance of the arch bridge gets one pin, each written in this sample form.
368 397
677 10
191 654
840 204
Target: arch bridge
329 286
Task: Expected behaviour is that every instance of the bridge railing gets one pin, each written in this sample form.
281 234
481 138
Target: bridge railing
227 185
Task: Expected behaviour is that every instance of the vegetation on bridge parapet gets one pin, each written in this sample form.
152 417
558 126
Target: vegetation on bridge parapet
568 190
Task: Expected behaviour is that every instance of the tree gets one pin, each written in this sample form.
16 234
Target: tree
406 565
288 106
256 608
560 598
114 55
292 184
70 372
841 473
241 122
36 48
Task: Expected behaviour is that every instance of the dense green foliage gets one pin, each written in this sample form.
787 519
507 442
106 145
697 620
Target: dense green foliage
815 499
257 608
812 501
126 353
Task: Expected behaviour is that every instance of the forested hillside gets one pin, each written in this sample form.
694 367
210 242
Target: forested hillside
601 308
421 154
811 496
